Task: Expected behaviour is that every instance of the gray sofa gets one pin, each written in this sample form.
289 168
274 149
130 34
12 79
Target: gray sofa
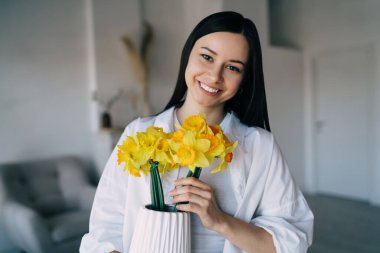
47 204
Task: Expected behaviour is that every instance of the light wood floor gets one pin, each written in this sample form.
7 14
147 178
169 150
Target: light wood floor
344 226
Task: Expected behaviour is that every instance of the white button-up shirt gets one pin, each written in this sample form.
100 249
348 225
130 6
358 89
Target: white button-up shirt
262 185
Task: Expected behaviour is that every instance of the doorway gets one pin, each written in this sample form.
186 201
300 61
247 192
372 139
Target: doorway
343 82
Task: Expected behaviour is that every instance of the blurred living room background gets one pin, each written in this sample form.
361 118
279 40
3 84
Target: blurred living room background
74 73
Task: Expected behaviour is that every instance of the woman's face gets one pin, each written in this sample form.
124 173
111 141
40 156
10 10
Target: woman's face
215 68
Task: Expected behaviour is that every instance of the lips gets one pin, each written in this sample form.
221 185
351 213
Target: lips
208 88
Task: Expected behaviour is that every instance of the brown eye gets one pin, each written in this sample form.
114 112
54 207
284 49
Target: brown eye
206 57
233 68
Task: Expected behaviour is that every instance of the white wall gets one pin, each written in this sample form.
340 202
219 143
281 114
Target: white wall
44 100
196 10
168 19
112 20
43 84
284 84
257 11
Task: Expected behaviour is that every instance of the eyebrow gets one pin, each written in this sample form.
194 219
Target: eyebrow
212 51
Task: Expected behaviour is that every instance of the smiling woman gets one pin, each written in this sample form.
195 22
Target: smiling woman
254 206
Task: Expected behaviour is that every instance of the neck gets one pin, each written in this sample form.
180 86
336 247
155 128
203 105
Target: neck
214 115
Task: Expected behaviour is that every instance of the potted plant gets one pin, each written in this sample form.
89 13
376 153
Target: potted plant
159 227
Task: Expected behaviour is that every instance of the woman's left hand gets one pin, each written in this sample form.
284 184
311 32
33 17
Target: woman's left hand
201 201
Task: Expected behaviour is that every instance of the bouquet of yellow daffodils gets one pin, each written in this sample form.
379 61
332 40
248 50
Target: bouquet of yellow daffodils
195 145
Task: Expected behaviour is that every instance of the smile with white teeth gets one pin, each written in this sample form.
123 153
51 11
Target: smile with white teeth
207 88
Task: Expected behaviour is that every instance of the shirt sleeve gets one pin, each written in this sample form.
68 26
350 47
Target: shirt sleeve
107 214
283 211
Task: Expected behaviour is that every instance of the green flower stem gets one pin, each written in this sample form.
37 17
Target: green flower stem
189 174
156 192
196 174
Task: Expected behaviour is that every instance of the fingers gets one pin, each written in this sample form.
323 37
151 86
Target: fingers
190 197
191 190
192 181
191 207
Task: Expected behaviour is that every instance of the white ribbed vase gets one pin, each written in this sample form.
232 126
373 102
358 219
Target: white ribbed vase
161 232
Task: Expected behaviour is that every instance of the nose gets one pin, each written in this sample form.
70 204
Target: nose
215 74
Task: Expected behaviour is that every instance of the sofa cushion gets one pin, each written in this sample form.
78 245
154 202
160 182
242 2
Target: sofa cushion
69 226
72 180
35 184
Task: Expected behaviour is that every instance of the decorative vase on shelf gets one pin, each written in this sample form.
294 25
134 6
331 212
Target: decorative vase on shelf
106 120
161 231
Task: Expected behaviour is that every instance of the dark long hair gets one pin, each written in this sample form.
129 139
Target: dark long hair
249 104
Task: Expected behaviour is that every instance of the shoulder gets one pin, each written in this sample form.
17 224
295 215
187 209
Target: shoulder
250 135
138 124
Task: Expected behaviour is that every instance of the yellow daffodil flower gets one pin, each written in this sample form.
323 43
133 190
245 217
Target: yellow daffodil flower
195 123
191 151
226 156
136 152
